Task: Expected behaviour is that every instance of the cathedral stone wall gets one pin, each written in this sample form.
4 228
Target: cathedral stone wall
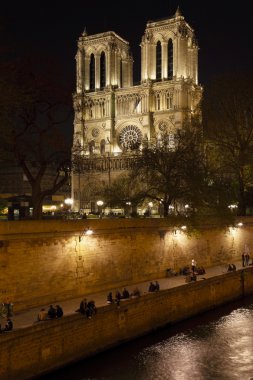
44 261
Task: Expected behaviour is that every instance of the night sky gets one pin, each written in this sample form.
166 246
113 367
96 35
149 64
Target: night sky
224 30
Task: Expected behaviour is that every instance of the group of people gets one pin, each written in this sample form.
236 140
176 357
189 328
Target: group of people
87 308
231 267
51 313
154 287
8 325
122 296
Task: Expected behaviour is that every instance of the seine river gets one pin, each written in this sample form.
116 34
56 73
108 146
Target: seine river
215 345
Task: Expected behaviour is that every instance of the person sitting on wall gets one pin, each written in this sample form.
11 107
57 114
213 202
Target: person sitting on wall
59 311
152 287
136 292
125 293
118 296
185 271
51 312
200 270
230 268
91 309
157 286
82 307
8 325
109 297
42 315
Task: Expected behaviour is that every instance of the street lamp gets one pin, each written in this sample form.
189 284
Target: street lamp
100 205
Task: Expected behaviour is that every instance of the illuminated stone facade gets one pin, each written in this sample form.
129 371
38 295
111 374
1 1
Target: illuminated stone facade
113 117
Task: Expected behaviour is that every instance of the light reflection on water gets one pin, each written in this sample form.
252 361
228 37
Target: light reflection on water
216 345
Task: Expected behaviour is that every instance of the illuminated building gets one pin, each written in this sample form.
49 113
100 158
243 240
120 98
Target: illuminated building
115 118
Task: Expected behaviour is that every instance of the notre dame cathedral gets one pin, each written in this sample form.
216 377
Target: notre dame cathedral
113 117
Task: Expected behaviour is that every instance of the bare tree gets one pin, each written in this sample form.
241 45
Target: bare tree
34 111
228 126
173 172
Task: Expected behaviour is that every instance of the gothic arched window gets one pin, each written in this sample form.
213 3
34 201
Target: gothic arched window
102 146
92 72
158 102
102 70
92 147
158 60
170 59
121 73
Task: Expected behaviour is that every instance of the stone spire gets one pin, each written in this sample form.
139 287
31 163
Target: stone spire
84 34
178 12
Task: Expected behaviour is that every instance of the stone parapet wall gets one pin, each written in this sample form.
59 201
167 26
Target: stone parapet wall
43 262
47 345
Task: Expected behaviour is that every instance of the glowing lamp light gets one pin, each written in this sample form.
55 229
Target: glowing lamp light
87 231
232 207
100 203
183 228
240 224
68 201
150 204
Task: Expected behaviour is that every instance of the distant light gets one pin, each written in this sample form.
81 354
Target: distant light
68 201
100 203
88 232
150 204
183 228
186 206
240 224
232 206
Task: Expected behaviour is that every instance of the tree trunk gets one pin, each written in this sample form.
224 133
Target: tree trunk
37 201
241 211
166 209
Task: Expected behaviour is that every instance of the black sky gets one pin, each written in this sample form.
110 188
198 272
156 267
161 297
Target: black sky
223 29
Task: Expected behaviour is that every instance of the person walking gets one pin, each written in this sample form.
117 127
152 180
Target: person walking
193 265
243 259
246 255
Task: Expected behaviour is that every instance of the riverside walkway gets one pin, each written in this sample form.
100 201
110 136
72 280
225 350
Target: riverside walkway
27 318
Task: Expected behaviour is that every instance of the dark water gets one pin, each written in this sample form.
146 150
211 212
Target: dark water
215 345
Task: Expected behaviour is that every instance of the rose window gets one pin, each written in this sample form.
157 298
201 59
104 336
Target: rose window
162 126
130 137
95 132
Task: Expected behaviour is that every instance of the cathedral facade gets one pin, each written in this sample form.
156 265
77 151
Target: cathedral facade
115 118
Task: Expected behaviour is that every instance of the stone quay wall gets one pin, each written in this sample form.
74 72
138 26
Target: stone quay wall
45 346
43 262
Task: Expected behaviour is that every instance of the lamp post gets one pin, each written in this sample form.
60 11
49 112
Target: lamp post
100 205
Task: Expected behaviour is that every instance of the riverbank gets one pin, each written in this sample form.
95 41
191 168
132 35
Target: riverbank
41 347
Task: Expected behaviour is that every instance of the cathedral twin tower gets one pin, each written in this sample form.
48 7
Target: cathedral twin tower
115 117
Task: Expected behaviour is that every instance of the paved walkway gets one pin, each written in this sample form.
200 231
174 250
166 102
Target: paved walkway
28 317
